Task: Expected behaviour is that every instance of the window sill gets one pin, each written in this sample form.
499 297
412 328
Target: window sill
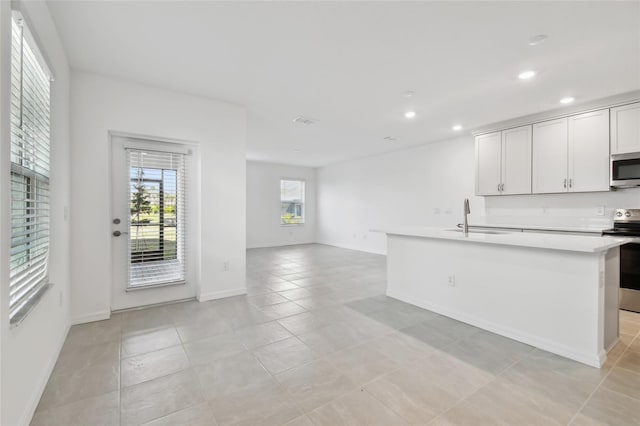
156 285
26 309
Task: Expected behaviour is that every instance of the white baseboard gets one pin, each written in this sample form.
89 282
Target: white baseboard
203 297
591 359
91 317
289 243
38 390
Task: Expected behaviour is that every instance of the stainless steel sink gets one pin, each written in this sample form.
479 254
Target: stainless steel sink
479 231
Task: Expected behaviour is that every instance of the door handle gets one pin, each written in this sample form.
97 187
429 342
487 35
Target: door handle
118 233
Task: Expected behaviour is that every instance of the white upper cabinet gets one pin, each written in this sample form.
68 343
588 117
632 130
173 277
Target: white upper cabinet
516 161
572 154
488 163
569 154
503 162
550 156
588 167
625 129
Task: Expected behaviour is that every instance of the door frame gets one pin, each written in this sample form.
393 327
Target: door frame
162 294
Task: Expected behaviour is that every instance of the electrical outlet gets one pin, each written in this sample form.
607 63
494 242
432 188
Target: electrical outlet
436 210
364 236
452 281
600 210
225 265
448 210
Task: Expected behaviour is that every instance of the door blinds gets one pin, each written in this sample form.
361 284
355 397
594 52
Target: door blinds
30 141
157 190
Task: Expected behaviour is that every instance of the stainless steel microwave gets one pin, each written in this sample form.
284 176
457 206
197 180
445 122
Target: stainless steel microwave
625 170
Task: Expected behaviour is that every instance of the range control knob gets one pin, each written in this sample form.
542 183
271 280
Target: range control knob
619 214
627 214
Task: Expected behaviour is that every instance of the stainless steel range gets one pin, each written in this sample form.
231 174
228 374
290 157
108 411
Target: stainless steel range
627 224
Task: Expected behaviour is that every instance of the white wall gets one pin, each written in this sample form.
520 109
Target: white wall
263 205
425 186
402 188
101 104
29 351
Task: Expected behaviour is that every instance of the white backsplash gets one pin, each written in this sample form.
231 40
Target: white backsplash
585 210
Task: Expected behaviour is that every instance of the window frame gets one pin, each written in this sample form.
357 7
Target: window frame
303 204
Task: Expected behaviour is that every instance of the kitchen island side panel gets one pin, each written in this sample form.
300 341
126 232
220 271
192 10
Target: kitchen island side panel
549 299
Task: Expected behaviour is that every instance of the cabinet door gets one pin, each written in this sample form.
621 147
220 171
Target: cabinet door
516 160
589 152
488 157
549 143
625 129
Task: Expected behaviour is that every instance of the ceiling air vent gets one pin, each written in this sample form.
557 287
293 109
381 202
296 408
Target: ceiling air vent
304 120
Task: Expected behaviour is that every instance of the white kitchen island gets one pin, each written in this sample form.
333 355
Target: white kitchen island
556 292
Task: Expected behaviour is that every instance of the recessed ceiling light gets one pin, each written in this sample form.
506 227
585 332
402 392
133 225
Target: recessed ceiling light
296 150
409 94
567 100
457 127
390 139
537 39
526 75
410 114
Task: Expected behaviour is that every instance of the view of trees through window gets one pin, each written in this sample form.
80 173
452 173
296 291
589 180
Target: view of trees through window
153 214
291 202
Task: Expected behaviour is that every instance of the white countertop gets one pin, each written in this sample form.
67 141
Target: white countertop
545 223
554 228
565 242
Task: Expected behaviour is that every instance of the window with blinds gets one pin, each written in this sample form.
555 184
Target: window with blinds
30 144
291 202
157 189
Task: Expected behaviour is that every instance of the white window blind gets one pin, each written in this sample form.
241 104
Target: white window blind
157 192
30 144
291 202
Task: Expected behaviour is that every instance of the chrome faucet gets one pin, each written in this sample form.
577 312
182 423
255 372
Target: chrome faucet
467 210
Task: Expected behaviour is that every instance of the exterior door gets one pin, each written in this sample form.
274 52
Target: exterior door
150 253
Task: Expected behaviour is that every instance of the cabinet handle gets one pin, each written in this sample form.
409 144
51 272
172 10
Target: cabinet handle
498 187
565 183
570 183
502 187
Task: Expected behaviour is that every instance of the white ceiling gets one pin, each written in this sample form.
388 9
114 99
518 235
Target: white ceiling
347 64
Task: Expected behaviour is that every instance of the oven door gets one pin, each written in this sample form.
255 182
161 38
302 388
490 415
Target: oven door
630 277
625 170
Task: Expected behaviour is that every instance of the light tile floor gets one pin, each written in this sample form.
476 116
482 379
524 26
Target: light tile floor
316 342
